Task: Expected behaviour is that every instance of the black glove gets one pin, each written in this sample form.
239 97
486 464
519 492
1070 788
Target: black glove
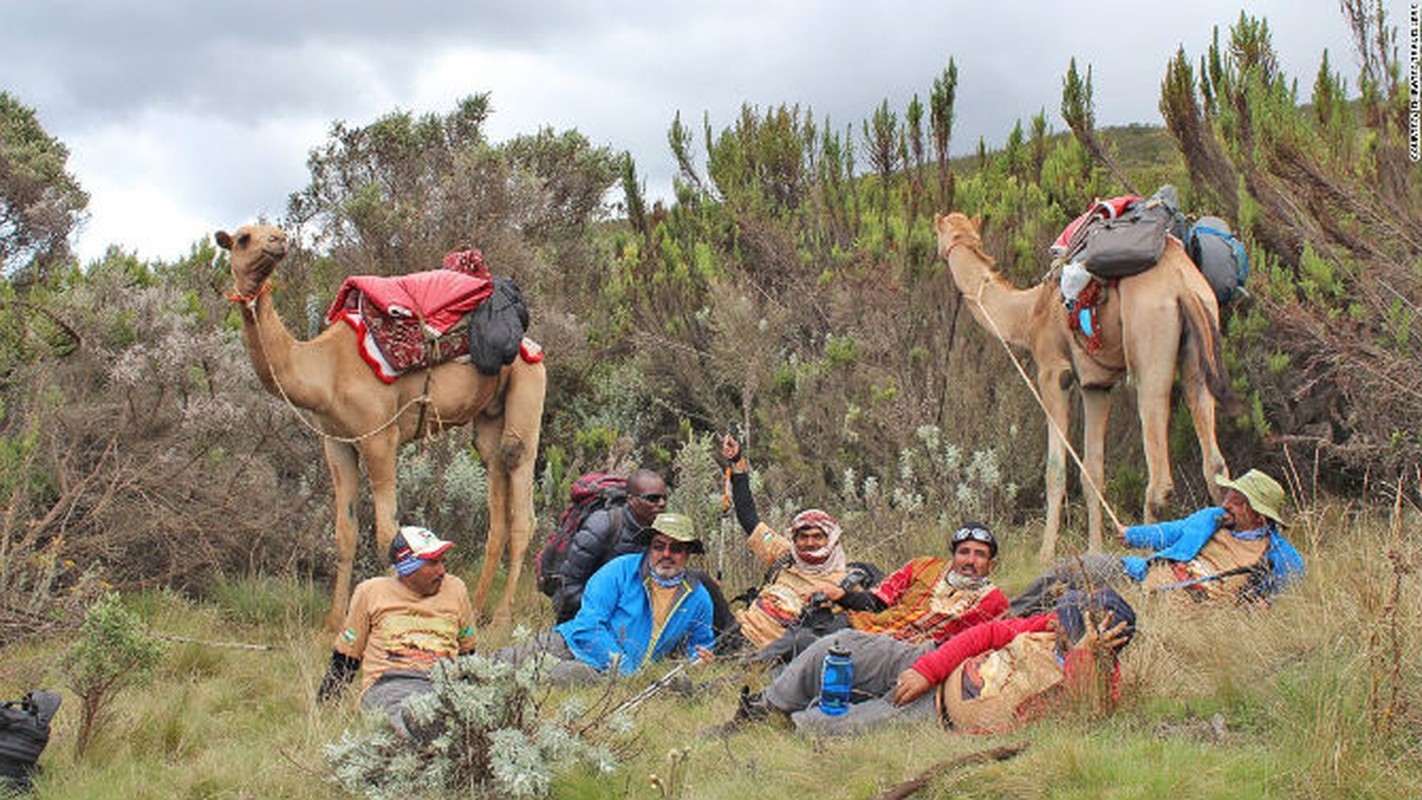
338 676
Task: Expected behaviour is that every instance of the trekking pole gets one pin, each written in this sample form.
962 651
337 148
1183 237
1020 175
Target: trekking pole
725 524
655 686
1219 576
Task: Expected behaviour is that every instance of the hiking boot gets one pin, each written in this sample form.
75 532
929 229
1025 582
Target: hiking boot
751 709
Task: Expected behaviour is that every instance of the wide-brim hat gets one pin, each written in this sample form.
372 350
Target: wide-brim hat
415 542
1264 494
677 527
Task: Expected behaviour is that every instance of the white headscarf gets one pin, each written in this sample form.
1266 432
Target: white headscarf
834 554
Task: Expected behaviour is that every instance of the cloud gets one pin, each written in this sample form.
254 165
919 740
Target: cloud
183 115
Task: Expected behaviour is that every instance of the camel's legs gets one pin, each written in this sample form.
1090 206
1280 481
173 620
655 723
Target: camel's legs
345 481
1096 408
1202 412
488 432
381 453
523 422
1052 383
1152 347
1153 398
509 446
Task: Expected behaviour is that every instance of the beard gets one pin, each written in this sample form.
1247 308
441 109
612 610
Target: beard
667 569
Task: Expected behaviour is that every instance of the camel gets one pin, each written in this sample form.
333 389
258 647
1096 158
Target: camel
361 418
1150 322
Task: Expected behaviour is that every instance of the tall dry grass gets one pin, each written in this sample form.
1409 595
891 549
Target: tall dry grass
1316 697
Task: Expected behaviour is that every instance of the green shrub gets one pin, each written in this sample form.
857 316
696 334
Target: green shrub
112 653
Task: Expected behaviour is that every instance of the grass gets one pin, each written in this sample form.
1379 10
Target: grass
1303 690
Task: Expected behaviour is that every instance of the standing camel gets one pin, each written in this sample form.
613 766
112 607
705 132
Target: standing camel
361 418
1144 321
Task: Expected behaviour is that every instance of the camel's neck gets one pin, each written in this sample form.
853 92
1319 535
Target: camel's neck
282 363
1001 308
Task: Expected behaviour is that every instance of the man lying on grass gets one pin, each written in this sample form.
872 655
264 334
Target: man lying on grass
1234 551
636 608
398 627
989 678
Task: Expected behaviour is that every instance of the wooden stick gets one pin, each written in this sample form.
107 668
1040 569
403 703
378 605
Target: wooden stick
908 787
173 637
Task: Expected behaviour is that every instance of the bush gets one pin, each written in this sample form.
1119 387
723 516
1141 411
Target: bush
478 730
113 652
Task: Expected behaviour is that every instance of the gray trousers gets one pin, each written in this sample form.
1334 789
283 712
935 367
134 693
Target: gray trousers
390 692
878 660
567 670
1088 571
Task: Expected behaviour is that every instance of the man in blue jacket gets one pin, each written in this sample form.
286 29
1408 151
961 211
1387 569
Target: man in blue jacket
1232 551
637 608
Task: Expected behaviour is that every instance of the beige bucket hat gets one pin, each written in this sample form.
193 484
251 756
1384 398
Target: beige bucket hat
1264 493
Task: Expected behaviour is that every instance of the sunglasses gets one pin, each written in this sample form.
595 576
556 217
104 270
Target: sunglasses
675 548
976 534
651 497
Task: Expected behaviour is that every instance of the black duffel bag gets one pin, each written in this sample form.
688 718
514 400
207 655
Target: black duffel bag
24 732
1127 245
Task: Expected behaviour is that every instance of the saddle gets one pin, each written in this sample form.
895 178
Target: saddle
409 321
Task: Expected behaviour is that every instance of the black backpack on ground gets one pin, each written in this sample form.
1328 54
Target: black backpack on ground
24 732
590 492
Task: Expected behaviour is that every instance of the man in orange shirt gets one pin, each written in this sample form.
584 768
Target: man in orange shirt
398 627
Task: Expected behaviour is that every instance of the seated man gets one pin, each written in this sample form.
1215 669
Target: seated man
397 627
929 599
614 531
810 561
639 607
1234 551
989 678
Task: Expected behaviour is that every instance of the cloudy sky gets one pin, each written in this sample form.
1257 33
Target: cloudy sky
183 117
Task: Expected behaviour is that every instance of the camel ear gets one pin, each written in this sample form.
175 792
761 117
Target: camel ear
224 240
978 223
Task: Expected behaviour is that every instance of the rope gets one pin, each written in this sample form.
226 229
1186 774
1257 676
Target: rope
1036 395
250 302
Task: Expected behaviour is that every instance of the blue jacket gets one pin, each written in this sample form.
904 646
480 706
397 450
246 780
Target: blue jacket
616 617
1181 540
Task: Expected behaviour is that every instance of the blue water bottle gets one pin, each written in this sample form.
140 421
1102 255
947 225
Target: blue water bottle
836 680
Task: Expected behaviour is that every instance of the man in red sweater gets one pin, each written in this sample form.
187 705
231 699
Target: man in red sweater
990 677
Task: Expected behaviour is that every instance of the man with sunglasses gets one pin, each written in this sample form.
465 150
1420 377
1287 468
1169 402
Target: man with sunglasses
606 534
618 530
637 608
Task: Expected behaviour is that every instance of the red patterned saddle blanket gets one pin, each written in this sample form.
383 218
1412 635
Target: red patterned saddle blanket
412 321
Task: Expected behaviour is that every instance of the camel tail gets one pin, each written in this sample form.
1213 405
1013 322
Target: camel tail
1204 331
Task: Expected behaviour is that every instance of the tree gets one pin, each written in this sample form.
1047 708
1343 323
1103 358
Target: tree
112 653
40 202
1079 111
940 102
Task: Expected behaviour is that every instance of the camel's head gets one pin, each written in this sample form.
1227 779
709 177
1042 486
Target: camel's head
956 228
255 250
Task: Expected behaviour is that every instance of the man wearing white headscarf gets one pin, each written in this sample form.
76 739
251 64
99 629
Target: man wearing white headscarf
810 560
